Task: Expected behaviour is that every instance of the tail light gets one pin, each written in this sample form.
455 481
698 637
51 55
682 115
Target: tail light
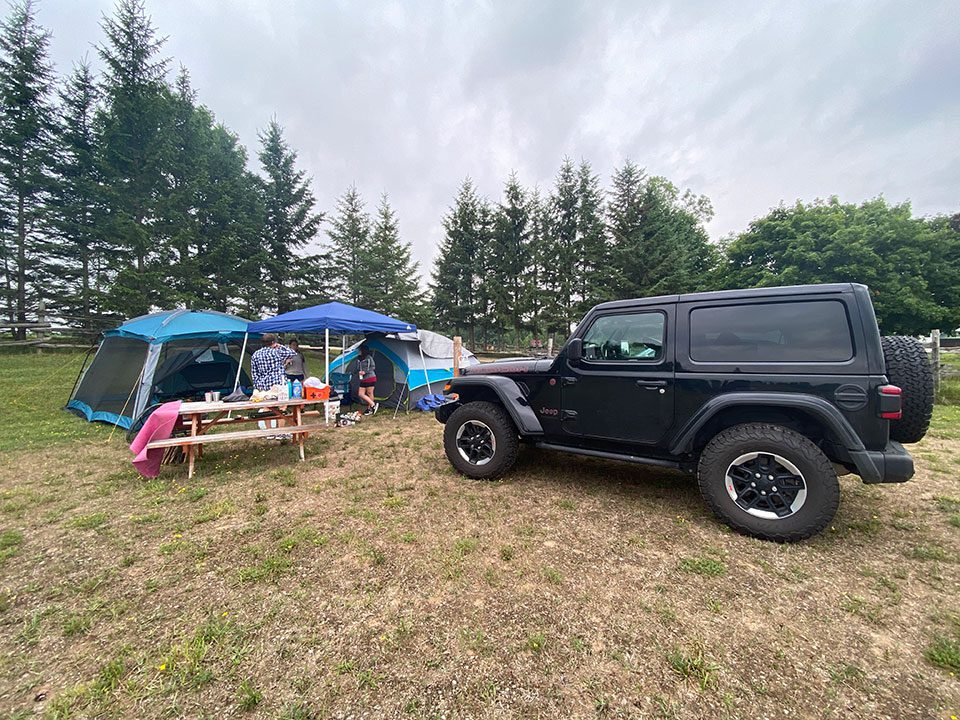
891 404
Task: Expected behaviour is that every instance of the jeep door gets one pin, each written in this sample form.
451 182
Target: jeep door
622 389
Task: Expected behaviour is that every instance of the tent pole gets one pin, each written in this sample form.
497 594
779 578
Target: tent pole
424 363
236 382
326 350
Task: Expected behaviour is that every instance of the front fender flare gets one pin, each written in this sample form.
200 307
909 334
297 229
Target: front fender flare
509 395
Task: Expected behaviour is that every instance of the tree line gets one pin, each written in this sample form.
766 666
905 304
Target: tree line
121 193
530 265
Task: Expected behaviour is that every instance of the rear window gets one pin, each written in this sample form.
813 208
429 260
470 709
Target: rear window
771 332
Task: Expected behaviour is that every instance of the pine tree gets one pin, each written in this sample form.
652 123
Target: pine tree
82 250
291 222
27 127
184 166
562 252
133 131
231 218
350 257
660 246
510 258
539 257
396 286
457 273
592 273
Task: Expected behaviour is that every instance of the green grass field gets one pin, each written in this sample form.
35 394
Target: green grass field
372 581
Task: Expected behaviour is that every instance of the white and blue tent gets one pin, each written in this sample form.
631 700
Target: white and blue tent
409 365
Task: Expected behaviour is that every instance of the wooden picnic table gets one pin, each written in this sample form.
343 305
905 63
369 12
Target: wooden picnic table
288 415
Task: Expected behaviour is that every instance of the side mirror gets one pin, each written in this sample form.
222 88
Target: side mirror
575 351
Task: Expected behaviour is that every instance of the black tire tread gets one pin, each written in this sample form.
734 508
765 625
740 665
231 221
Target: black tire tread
909 369
508 441
793 443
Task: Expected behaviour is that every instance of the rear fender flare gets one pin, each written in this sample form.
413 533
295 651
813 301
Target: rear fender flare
819 408
509 395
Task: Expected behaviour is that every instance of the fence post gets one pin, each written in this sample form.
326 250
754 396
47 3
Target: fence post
457 343
550 346
41 335
935 361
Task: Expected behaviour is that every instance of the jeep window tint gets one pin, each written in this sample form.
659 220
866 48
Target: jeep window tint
771 332
626 337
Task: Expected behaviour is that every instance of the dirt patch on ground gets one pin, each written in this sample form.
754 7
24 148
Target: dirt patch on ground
371 581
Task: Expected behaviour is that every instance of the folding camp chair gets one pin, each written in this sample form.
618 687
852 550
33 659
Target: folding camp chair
340 382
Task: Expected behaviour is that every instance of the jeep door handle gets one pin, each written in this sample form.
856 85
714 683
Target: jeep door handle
568 381
652 384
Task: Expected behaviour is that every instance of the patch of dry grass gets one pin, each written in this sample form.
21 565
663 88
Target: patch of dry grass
372 579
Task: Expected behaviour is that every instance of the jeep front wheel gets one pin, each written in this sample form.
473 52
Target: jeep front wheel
769 482
480 440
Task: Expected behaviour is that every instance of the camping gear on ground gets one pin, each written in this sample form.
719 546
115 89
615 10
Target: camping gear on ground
330 317
169 355
348 419
159 426
430 402
410 366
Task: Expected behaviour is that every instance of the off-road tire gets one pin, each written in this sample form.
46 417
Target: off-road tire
503 429
823 487
909 369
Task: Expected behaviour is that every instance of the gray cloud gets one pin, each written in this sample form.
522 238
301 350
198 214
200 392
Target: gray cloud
749 103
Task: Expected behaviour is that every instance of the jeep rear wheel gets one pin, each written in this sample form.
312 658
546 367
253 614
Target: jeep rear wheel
909 369
769 482
480 440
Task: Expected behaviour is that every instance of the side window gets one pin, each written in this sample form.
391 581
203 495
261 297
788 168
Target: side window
812 331
626 337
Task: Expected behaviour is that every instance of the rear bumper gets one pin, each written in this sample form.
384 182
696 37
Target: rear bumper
893 464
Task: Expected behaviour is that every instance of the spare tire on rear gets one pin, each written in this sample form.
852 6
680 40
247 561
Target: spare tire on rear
909 369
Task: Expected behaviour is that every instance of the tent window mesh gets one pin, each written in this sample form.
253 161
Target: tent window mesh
111 377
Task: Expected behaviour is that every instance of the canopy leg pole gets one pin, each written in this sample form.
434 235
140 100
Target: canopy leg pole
236 382
326 350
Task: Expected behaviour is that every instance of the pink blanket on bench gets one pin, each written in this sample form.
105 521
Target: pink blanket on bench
159 426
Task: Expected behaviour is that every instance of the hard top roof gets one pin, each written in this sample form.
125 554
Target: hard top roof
748 293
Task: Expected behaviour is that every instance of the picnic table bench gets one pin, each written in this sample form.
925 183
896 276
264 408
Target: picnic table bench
288 415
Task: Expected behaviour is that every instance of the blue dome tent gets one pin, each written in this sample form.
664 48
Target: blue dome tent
174 354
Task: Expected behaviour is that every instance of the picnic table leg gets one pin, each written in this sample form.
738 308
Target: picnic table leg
191 452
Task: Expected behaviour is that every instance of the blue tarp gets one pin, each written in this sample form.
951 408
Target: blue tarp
172 324
333 316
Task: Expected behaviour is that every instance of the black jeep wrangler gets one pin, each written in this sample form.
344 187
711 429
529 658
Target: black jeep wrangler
766 394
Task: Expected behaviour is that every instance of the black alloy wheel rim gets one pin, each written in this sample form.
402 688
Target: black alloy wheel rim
476 442
766 485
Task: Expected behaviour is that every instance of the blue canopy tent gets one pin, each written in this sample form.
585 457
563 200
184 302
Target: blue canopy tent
332 316
157 357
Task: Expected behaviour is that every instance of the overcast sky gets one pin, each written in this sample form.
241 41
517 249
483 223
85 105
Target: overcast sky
749 103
